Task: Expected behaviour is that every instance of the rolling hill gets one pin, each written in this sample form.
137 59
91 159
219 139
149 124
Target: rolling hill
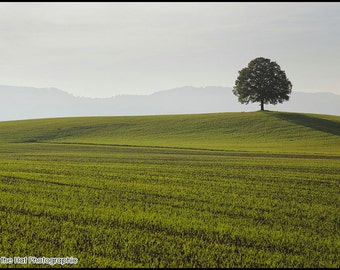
218 190
249 131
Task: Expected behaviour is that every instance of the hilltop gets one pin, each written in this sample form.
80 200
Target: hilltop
266 131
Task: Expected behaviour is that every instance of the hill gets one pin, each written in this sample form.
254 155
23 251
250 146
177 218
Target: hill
31 103
221 190
252 131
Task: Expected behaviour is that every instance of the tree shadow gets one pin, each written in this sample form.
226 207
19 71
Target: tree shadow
323 125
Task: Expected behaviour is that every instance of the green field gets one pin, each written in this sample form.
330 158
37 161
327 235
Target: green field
257 189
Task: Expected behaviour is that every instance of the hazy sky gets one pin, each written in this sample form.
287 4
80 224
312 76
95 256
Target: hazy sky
105 49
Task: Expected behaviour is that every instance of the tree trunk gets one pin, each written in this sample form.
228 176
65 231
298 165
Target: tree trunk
262 105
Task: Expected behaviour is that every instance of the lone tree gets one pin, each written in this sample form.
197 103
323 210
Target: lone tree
262 81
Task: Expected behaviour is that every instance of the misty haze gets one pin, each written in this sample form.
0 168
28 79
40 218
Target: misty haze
29 103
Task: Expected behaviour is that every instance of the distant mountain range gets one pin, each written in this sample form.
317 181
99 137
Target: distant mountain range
29 103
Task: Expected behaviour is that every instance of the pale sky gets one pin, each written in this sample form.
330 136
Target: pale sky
107 49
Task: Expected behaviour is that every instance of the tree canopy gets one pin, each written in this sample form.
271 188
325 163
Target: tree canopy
262 81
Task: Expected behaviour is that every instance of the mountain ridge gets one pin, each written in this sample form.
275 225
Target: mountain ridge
18 103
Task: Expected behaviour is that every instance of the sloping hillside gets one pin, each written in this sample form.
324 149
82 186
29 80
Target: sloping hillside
253 131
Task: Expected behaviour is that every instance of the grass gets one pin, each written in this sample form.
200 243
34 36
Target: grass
274 132
213 190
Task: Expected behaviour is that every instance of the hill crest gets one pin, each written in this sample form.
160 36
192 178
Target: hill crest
252 131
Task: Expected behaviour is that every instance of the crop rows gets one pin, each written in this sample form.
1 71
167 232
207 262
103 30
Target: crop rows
156 207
